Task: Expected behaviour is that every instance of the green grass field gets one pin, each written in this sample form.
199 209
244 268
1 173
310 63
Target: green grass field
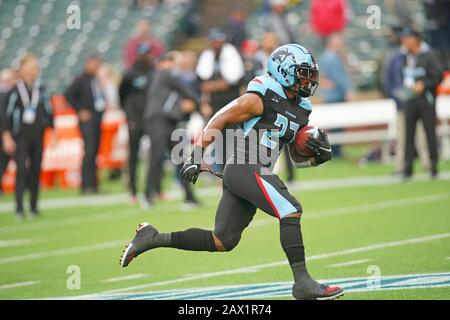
351 230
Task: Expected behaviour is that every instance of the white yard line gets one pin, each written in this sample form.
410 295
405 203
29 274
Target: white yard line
348 263
19 284
260 267
125 278
71 221
17 242
307 185
60 252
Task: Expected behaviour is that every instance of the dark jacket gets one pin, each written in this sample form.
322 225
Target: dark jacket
165 94
428 69
12 107
80 94
133 92
3 96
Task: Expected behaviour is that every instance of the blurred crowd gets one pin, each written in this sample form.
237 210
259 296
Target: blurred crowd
159 90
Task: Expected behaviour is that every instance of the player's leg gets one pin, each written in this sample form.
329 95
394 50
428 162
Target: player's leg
428 117
34 172
20 158
411 117
135 135
266 191
158 137
232 217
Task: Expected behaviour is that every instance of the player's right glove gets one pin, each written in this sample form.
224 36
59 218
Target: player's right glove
321 147
192 167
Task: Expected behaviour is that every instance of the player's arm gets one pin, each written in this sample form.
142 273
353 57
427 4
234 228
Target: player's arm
237 111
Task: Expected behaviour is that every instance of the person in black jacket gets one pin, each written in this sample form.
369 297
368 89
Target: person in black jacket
133 94
7 82
28 113
422 73
168 102
87 98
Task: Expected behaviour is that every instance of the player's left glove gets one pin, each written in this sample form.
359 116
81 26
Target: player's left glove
192 167
321 147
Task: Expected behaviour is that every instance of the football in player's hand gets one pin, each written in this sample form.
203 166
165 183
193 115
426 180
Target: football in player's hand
301 140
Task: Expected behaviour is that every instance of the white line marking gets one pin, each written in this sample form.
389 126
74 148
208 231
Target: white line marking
17 243
82 219
59 252
284 262
19 284
348 263
125 278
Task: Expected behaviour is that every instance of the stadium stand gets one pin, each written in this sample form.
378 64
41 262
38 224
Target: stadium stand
104 27
366 47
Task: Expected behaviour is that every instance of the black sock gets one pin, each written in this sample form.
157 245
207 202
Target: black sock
292 243
194 240
291 239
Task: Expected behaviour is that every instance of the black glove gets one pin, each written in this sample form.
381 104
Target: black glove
191 168
321 147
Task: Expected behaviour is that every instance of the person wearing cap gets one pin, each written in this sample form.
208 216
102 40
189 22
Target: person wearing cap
142 34
28 114
420 74
235 26
220 69
86 96
133 98
169 101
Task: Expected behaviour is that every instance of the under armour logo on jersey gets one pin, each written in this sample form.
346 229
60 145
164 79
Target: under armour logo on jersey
290 114
275 99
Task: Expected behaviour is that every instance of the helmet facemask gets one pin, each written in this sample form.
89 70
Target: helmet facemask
306 79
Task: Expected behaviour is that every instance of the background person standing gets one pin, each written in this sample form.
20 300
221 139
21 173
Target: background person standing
170 100
422 73
335 82
8 79
28 114
220 83
87 98
133 98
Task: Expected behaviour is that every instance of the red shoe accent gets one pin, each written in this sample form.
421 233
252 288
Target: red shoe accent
331 289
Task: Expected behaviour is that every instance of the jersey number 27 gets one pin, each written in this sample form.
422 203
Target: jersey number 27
270 138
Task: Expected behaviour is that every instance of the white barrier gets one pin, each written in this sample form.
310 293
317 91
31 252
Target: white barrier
380 113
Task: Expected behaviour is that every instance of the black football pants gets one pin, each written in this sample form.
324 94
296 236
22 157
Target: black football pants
415 110
135 135
90 131
28 159
160 132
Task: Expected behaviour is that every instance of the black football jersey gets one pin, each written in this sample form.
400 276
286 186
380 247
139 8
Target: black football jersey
263 137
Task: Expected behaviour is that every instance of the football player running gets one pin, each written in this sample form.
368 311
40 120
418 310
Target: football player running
275 106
